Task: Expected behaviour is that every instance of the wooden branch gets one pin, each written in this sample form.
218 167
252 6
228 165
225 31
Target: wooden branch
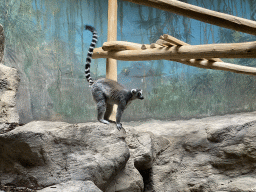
208 64
225 50
120 46
201 63
202 14
172 40
176 41
165 43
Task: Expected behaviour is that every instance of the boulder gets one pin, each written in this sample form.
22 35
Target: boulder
144 147
209 154
127 180
9 82
42 154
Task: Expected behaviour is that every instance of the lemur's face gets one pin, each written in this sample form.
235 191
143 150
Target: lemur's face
137 94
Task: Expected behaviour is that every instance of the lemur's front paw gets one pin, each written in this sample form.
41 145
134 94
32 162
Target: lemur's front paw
119 126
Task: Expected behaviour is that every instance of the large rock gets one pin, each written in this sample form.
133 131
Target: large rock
144 147
128 180
210 154
9 82
42 154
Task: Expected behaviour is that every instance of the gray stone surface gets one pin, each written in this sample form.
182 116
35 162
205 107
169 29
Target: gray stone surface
73 186
144 147
42 154
2 40
128 180
210 154
9 82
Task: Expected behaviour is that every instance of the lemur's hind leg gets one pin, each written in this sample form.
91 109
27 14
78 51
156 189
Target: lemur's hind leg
101 106
109 109
120 110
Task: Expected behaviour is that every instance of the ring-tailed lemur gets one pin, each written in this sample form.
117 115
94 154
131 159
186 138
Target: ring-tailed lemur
107 92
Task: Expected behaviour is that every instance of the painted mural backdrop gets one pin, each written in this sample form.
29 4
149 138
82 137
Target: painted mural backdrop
47 43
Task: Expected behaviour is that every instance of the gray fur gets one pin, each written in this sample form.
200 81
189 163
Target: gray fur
107 92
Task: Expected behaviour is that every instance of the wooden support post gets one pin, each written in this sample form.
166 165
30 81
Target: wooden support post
111 65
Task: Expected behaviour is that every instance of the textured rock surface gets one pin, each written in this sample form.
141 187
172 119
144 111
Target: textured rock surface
9 81
210 154
41 154
143 148
2 39
73 186
129 179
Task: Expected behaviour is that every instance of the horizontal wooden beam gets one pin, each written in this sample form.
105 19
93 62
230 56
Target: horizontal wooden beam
202 14
124 45
224 50
211 63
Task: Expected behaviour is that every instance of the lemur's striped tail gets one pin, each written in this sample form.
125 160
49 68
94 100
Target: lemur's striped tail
89 55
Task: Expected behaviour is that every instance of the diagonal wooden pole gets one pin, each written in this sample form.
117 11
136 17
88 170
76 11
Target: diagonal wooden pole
111 65
202 14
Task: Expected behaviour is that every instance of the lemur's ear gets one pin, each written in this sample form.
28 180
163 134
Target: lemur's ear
133 91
